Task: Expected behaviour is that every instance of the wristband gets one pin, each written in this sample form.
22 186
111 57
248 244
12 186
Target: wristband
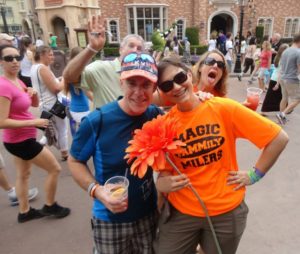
255 175
258 172
92 193
91 49
90 187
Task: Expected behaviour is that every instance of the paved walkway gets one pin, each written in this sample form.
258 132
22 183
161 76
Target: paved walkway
273 221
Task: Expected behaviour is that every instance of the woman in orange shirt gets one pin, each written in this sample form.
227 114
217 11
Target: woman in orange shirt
208 161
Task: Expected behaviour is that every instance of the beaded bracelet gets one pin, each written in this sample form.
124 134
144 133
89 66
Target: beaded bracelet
255 175
91 49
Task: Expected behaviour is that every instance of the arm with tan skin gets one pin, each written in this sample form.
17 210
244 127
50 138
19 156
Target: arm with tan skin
276 87
34 96
89 94
8 123
84 178
264 163
50 81
75 67
166 182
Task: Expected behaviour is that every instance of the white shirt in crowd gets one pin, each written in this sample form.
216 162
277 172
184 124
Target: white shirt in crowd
39 42
229 46
212 44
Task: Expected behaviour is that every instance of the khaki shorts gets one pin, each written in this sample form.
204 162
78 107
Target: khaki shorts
290 90
181 233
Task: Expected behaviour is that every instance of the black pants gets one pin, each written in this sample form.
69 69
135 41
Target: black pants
248 63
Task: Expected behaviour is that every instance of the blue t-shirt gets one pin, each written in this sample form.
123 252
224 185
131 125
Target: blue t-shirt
104 134
79 101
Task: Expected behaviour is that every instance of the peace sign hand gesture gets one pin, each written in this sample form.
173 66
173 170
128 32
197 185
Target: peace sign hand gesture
96 32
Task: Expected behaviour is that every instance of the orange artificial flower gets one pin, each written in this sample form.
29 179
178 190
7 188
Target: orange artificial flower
150 144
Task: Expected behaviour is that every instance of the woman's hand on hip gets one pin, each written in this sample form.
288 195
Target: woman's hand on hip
239 178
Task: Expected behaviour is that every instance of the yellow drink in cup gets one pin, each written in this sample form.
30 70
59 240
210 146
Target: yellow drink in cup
118 192
117 187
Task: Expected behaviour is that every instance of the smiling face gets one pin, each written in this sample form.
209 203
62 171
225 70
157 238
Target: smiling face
10 67
132 44
210 75
181 93
138 94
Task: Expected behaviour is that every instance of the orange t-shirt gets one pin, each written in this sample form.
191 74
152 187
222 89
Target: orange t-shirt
210 132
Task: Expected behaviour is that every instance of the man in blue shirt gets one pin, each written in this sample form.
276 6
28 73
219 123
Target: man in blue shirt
119 226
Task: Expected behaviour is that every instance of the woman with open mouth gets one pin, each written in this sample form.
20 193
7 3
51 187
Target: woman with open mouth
210 130
210 74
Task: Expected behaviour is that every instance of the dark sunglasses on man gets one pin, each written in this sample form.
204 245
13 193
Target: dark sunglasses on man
211 62
11 58
168 85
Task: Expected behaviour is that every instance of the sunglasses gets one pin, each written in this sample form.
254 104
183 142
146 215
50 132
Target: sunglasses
211 61
11 58
168 85
134 56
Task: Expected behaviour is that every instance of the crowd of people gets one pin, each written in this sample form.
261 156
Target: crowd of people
126 93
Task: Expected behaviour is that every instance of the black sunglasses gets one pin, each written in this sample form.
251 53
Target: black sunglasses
10 58
168 85
211 61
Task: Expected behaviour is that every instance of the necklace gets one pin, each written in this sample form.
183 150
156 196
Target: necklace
16 83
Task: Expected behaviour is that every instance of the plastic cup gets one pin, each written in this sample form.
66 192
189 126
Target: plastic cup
253 97
116 187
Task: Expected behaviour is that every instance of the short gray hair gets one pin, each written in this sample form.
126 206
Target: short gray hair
278 35
129 36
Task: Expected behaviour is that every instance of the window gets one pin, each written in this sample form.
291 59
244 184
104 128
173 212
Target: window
180 29
9 12
291 27
144 20
22 5
113 28
267 23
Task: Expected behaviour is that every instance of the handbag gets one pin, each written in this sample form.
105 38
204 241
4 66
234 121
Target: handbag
45 115
58 109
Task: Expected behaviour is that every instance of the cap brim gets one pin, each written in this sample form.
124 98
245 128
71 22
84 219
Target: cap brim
140 73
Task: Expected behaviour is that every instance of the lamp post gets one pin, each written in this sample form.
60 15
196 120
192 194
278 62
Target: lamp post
3 11
31 16
238 64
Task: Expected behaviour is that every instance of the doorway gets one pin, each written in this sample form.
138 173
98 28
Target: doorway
60 31
222 22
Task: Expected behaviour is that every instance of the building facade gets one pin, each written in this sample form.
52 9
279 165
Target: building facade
143 16
68 18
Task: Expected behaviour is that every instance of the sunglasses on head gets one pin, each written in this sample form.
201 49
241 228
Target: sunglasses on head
211 61
134 56
168 85
10 58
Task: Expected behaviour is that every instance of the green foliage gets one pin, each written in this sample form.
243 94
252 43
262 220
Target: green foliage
111 51
158 43
192 33
200 49
259 33
196 49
